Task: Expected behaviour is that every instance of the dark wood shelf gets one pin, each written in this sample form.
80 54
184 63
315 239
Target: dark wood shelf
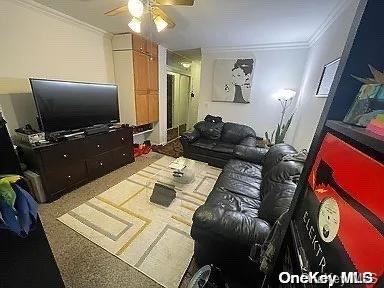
359 134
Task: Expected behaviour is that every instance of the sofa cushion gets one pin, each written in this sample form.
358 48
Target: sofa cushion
204 143
234 202
207 148
210 130
244 167
275 154
224 147
250 154
278 188
221 223
234 133
274 204
239 184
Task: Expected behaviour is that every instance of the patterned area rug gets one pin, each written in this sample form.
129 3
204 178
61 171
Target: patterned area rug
173 149
153 239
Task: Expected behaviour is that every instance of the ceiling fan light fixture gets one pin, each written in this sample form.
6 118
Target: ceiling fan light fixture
136 8
135 25
160 23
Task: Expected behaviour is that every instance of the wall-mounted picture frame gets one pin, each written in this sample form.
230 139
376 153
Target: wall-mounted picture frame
233 80
327 77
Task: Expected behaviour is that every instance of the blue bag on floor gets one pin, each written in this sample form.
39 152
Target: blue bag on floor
22 216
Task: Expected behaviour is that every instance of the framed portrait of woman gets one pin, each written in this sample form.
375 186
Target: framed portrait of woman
232 80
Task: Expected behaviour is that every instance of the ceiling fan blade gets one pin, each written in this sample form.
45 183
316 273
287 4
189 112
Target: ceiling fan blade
117 11
175 2
156 11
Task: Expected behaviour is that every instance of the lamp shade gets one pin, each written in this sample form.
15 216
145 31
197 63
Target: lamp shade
136 8
135 25
160 23
285 94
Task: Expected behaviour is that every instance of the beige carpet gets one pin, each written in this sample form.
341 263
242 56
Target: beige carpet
152 238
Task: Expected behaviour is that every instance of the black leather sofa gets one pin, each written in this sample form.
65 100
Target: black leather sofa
250 194
213 141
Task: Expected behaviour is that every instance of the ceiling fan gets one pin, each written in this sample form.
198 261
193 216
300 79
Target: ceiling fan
138 7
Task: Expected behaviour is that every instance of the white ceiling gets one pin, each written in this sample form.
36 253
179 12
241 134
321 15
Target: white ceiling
216 23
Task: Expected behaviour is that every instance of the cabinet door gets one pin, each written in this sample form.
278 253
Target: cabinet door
152 49
139 43
141 108
153 107
153 72
140 67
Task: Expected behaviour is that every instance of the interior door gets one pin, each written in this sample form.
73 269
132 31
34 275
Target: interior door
140 67
170 84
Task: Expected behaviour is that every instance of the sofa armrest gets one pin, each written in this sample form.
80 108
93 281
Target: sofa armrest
251 141
250 154
233 226
191 137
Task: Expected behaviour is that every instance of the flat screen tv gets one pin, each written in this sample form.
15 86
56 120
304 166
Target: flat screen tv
63 105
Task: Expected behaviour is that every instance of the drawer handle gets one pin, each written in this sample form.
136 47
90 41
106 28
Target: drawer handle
122 138
98 146
101 163
69 176
65 156
123 154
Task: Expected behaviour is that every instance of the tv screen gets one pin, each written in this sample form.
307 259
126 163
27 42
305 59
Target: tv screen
63 105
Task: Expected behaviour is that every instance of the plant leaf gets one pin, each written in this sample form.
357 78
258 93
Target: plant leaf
289 121
365 80
277 141
377 75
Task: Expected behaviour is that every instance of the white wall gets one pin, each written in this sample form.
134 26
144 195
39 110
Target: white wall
159 134
274 69
43 43
195 88
326 49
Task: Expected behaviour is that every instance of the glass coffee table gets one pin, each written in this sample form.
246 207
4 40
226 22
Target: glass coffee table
175 179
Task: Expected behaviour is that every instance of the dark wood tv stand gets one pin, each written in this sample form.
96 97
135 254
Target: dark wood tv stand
64 166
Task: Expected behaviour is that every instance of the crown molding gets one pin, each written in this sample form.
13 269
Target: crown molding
332 17
271 46
60 16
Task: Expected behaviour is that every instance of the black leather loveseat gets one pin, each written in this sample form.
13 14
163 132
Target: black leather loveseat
213 141
249 196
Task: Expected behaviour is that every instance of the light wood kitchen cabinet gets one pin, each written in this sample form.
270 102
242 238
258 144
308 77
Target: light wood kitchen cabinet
136 74
141 71
142 108
139 44
153 107
152 49
153 74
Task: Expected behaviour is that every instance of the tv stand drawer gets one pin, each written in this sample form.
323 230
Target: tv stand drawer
62 155
58 180
100 165
123 156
